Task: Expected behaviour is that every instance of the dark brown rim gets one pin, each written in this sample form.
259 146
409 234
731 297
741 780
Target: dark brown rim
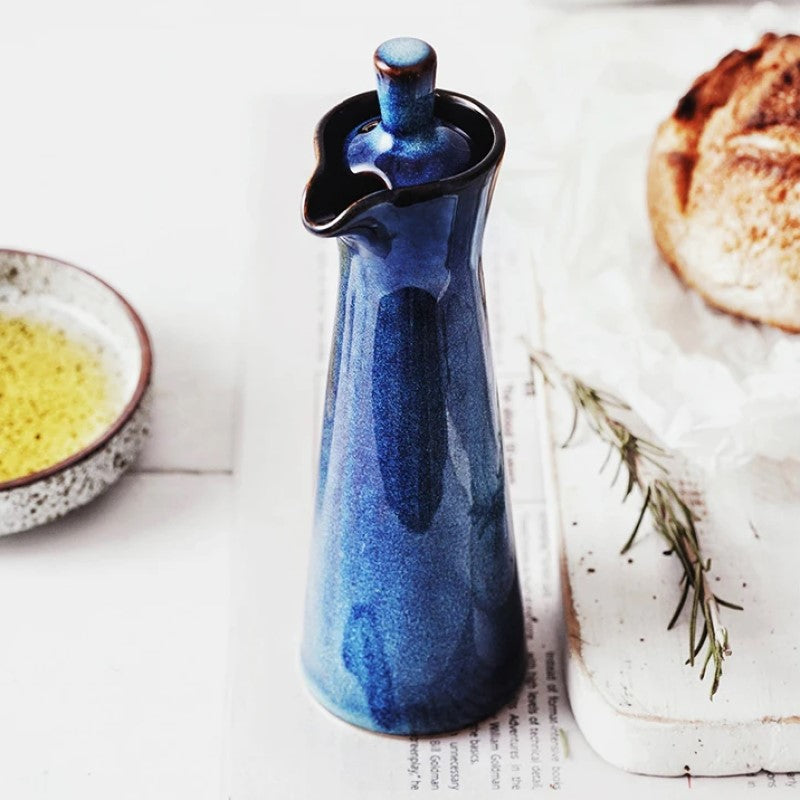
145 374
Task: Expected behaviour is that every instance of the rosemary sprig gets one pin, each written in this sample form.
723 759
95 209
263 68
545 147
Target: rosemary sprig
643 464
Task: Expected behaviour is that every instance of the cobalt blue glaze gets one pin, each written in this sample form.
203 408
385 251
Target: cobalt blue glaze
406 145
413 613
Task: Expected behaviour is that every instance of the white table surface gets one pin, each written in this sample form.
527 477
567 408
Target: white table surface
122 151
133 145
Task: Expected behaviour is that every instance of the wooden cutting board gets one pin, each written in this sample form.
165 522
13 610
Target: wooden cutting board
638 704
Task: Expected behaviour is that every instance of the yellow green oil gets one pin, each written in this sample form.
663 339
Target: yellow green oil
56 395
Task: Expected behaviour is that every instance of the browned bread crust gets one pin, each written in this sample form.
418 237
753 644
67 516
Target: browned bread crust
723 184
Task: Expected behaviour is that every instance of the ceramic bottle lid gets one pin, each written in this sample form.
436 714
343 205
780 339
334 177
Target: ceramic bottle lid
407 145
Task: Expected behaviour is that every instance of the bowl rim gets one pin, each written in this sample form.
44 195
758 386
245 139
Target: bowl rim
142 384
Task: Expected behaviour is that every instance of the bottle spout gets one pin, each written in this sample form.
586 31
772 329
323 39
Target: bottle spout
330 195
335 194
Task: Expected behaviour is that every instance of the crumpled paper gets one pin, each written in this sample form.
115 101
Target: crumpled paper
721 391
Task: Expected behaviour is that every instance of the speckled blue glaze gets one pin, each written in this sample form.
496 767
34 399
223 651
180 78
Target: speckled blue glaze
406 145
404 52
413 614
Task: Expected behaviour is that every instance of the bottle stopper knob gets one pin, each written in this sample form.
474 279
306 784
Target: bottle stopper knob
406 69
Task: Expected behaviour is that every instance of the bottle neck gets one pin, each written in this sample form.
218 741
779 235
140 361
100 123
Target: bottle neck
406 99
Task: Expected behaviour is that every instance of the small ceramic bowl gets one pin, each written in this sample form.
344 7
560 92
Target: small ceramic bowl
79 303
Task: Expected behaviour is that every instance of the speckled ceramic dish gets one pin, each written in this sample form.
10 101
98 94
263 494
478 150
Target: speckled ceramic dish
44 289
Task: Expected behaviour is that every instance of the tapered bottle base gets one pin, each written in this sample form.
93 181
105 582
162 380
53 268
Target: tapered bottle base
439 716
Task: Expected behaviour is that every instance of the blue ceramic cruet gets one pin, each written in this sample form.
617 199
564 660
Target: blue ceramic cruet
413 612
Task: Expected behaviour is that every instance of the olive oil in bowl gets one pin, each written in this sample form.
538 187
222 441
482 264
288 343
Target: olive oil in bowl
56 395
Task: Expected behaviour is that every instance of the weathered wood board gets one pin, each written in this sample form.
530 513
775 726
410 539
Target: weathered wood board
638 704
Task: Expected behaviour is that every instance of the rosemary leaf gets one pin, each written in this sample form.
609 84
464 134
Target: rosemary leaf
681 603
701 642
669 512
693 613
721 602
607 459
571 433
636 527
709 653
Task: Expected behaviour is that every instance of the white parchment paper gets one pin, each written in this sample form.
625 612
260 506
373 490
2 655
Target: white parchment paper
717 389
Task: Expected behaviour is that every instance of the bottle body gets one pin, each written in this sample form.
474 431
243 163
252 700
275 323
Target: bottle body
413 614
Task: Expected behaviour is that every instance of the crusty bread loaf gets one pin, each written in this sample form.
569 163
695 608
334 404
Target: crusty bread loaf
723 185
